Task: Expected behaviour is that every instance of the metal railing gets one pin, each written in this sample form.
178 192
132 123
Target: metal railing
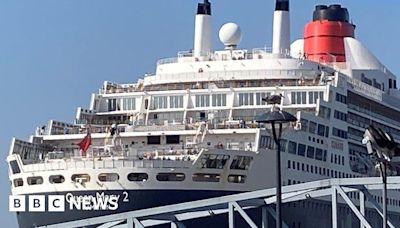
255 53
106 164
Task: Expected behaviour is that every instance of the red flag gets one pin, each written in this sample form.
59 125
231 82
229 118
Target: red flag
85 144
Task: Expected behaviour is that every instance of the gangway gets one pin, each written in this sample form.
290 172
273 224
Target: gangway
334 190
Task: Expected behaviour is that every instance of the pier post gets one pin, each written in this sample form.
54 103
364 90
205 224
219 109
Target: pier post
264 213
231 217
362 207
334 208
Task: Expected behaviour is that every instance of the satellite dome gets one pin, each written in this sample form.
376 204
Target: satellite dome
230 34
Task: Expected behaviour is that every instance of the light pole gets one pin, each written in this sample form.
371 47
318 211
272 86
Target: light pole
387 151
277 118
383 170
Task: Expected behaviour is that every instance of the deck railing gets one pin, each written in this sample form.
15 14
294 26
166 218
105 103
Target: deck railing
106 164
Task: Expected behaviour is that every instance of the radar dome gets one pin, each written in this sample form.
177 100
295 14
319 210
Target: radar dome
230 34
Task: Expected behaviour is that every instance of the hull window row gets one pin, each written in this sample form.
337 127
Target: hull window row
133 177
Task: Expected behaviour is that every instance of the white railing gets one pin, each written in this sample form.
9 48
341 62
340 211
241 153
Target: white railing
255 53
221 75
167 61
106 164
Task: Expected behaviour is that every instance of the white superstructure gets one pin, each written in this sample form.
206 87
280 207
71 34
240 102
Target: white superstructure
190 126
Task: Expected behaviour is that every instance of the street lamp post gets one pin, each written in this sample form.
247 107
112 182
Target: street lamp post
384 192
277 118
387 152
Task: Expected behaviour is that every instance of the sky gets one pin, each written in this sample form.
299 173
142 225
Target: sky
55 53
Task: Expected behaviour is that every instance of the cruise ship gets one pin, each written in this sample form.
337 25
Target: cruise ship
188 131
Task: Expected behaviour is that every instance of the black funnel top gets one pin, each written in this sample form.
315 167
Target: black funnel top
282 5
331 13
204 8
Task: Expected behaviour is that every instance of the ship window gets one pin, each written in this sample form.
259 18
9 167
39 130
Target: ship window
301 150
138 177
35 180
108 177
213 161
304 124
236 179
172 139
160 102
18 182
292 147
310 152
202 100
314 96
299 97
267 142
321 130
112 105
202 116
241 162
327 131
14 167
340 116
129 104
319 154
339 133
324 112
153 140
170 177
341 98
218 100
205 177
312 127
80 178
176 101
56 179
246 99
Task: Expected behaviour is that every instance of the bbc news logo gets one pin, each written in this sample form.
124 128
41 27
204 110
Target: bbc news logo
58 203
37 203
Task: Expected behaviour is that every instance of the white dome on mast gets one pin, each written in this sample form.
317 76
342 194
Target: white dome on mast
230 35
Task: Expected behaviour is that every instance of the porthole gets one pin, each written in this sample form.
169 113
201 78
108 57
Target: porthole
170 177
206 177
80 178
236 179
108 177
18 182
56 179
35 180
138 177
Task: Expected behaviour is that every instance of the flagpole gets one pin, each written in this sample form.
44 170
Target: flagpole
90 132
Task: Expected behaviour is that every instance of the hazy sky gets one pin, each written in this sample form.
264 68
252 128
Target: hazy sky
55 53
